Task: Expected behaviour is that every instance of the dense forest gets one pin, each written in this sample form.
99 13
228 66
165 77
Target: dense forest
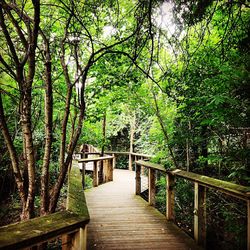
166 78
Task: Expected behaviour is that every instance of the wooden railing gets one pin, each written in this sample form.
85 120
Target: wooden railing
132 157
69 225
102 165
201 183
100 176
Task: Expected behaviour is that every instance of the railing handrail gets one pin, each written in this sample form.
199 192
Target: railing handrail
127 153
43 229
239 191
236 190
142 155
117 152
21 235
149 164
201 183
85 160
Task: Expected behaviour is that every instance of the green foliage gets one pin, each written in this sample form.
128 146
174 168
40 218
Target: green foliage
227 222
187 89
160 198
122 162
88 181
184 205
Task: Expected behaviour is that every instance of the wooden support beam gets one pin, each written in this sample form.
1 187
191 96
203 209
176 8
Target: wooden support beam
135 158
83 156
200 214
105 171
83 174
137 179
101 171
95 159
95 174
79 239
114 161
130 161
248 224
66 241
151 187
110 169
170 181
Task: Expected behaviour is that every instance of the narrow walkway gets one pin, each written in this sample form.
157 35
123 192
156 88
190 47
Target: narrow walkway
122 220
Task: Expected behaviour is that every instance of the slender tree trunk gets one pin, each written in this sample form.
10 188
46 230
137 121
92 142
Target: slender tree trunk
64 127
103 133
67 103
25 111
204 145
103 146
188 148
64 165
23 73
55 192
164 130
13 154
131 143
73 120
48 133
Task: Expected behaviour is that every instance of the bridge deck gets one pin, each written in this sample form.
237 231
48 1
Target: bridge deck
122 220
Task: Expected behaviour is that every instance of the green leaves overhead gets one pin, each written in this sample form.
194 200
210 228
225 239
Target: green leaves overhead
180 67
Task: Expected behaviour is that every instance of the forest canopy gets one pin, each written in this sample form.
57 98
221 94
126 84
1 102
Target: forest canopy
172 76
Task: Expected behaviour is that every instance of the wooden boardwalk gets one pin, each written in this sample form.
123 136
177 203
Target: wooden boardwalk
122 220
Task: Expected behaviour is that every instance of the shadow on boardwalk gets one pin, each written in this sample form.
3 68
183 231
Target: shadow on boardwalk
122 220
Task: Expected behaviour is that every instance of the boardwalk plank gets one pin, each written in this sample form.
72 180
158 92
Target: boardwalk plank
122 220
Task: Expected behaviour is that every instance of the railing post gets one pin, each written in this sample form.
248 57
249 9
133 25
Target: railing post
170 180
101 172
105 171
83 155
248 224
79 239
130 162
137 179
200 214
66 241
114 161
110 169
151 187
95 174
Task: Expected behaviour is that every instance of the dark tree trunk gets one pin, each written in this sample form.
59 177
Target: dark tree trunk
103 147
23 73
48 132
204 145
13 154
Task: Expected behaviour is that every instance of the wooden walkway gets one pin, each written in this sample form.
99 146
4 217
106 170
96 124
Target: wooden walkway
122 220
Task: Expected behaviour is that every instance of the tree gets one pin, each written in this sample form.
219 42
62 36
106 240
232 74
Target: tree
24 70
33 64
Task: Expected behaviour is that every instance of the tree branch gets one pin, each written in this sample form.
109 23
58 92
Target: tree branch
7 36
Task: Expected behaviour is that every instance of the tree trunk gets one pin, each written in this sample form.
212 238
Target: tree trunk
103 147
13 154
188 147
25 111
67 103
131 143
164 130
204 149
48 132
23 75
55 191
